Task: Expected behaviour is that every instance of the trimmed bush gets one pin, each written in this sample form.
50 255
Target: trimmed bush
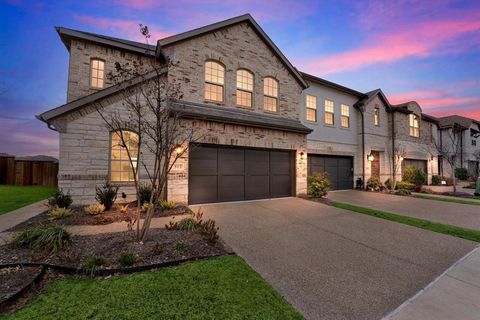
56 213
44 239
144 193
414 175
359 183
405 185
207 228
318 185
374 184
127 259
60 199
94 209
168 205
403 192
437 180
181 246
93 263
462 173
106 194
388 184
427 191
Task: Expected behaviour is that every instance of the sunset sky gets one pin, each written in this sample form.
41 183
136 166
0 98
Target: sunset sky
428 51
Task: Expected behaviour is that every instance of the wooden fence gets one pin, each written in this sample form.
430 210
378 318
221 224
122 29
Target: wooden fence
23 172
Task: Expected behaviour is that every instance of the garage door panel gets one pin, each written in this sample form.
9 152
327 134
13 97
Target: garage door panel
204 161
257 187
231 162
205 189
257 162
337 168
231 188
280 186
280 162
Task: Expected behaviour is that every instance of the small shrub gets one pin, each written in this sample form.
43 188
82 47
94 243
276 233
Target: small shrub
157 249
127 259
94 209
93 263
405 185
106 194
437 180
181 246
207 229
374 184
144 193
417 188
318 185
56 213
414 175
403 192
44 239
144 208
388 184
168 205
123 209
60 199
462 173
426 190
359 183
104 219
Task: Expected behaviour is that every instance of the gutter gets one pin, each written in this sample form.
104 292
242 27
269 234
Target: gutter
394 173
363 148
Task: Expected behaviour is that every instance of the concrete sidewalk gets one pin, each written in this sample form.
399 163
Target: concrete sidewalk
453 295
12 218
461 215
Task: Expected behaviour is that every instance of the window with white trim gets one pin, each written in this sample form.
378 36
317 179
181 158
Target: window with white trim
376 116
414 125
311 108
97 73
123 143
329 112
270 94
244 88
345 115
214 81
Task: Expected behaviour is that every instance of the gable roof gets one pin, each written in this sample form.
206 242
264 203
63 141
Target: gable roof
332 85
369 96
91 98
67 34
449 121
227 23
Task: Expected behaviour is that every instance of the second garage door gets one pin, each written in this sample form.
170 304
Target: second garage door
339 169
218 174
422 164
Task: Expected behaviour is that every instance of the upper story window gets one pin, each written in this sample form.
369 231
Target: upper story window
270 94
123 143
214 81
244 88
329 112
474 142
311 107
345 113
376 116
414 125
97 73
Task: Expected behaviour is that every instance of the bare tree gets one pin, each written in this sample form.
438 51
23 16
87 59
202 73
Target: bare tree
396 156
147 97
450 149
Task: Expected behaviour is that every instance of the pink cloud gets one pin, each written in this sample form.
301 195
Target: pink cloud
125 28
423 39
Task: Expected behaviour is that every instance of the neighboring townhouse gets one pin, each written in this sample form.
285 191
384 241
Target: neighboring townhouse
461 136
239 91
264 126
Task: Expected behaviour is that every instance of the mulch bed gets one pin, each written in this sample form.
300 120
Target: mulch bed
457 195
14 279
161 246
80 217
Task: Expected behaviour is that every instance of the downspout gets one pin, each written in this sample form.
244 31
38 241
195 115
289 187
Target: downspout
363 148
441 151
461 148
394 173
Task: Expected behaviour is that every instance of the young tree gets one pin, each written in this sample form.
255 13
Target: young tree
147 97
396 156
449 149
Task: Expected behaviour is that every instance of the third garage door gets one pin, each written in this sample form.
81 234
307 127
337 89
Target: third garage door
339 169
218 174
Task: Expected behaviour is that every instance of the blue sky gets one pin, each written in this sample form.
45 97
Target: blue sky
428 51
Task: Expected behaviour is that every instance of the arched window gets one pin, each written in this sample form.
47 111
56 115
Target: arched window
244 88
123 142
270 94
214 81
97 73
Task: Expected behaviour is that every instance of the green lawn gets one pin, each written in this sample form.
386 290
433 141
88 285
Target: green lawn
219 288
14 197
464 233
453 200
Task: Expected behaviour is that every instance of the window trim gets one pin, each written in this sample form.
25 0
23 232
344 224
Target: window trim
244 90
214 83
328 112
273 97
414 117
307 108
110 159
376 116
342 116
91 74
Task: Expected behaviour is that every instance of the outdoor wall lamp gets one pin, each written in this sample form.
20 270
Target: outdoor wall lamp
370 157
179 149
302 155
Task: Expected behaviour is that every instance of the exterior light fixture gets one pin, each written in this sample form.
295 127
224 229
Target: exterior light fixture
179 149
302 155
370 157
401 158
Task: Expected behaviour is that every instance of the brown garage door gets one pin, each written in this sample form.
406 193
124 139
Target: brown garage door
218 174
339 170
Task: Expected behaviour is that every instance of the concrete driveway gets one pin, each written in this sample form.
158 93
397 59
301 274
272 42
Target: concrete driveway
462 215
333 264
